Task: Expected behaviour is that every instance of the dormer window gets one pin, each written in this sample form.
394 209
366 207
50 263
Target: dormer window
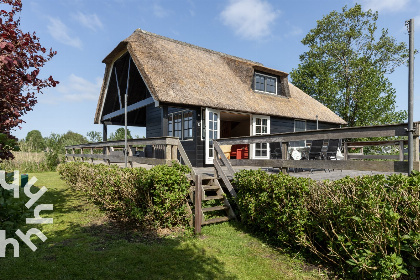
265 83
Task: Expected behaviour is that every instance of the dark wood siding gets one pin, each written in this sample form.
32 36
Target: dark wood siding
153 121
281 125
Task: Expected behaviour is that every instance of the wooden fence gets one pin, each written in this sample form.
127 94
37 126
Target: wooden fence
162 150
383 163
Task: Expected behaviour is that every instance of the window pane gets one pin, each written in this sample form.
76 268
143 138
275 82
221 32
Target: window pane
257 153
264 130
258 129
264 153
258 121
264 121
271 83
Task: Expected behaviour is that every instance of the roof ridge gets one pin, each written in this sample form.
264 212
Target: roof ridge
197 47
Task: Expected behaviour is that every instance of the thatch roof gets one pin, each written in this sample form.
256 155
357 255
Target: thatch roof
180 73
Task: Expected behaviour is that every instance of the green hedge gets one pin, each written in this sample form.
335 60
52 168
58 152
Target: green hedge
13 212
153 198
367 226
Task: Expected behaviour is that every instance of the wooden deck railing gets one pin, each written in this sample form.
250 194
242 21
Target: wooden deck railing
394 163
163 150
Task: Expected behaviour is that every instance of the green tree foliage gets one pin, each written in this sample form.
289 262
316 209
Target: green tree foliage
35 141
73 138
120 134
346 65
94 136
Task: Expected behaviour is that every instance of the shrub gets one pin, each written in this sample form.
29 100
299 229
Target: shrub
13 211
369 226
154 198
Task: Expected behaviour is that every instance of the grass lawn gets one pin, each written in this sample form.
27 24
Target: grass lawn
84 244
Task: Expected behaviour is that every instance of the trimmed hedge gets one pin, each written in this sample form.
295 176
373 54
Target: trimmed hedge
368 226
153 198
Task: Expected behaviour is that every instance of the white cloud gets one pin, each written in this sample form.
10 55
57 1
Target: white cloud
384 5
60 32
90 21
76 88
250 19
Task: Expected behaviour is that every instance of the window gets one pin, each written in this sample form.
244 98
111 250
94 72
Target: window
180 125
265 83
188 125
170 125
299 126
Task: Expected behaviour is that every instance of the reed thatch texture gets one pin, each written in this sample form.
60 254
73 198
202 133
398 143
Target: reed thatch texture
180 73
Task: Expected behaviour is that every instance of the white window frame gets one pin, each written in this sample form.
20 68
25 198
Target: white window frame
265 83
182 124
253 129
294 129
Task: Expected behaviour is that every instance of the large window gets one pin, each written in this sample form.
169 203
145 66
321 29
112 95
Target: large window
299 126
180 125
187 125
265 83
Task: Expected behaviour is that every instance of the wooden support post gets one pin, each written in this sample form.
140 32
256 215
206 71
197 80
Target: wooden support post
401 150
174 152
108 152
284 156
168 151
198 197
105 138
81 152
73 152
346 151
416 147
130 154
91 152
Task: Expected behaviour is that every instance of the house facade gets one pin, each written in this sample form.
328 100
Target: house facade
177 89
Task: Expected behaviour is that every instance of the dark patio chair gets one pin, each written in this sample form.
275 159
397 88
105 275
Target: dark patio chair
315 150
275 150
332 149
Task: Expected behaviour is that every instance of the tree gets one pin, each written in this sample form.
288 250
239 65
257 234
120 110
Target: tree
35 140
73 138
21 58
94 136
346 65
120 134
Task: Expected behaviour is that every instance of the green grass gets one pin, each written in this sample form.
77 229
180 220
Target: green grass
84 244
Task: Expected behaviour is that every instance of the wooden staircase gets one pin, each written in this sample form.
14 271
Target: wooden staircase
210 202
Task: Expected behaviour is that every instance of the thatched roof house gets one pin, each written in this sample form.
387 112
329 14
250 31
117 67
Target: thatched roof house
168 76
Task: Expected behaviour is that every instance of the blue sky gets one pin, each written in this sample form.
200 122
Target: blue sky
83 32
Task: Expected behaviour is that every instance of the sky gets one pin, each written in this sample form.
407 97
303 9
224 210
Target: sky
84 32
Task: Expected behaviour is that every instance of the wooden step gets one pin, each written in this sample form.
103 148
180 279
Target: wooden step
215 220
215 208
215 197
210 188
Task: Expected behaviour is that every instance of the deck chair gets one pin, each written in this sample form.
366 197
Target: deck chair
332 149
315 150
275 150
